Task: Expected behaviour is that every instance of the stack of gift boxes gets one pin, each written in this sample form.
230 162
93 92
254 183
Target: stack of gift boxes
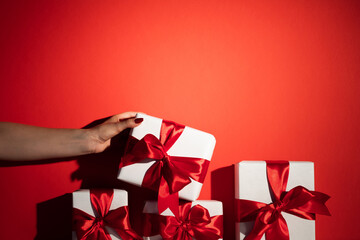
274 200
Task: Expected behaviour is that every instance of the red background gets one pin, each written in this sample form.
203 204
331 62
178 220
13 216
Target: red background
270 79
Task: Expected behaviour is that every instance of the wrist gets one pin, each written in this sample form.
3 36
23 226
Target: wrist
94 143
89 141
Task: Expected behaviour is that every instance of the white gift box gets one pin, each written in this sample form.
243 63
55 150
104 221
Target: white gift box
81 201
215 208
192 143
251 184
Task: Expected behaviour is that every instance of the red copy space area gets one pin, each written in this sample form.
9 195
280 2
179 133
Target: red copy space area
270 79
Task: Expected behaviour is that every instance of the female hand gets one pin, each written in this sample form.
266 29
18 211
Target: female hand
100 136
25 142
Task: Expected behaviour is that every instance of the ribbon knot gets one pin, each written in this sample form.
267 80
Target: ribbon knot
184 225
165 160
271 212
99 221
278 205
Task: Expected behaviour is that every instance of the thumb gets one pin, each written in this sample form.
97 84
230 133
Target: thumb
109 130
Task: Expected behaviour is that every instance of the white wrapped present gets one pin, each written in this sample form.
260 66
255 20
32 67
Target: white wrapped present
182 225
101 212
252 184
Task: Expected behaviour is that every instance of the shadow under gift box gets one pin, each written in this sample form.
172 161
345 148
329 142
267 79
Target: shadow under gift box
81 200
191 143
251 184
215 208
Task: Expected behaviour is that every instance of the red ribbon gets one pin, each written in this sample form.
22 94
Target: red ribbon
88 227
169 174
268 218
192 222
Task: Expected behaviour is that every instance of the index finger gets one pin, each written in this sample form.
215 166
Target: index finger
121 117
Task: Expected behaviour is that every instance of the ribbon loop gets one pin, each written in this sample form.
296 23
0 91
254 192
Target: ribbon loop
99 221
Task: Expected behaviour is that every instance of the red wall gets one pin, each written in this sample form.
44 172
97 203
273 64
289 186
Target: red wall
270 79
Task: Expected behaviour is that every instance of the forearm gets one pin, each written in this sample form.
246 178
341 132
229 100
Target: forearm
24 142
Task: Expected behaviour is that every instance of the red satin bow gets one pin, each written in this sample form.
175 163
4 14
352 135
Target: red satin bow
192 222
169 174
268 218
88 227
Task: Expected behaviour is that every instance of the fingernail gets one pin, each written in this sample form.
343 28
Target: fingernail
138 120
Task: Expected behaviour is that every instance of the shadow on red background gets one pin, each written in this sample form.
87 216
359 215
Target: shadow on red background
54 218
222 189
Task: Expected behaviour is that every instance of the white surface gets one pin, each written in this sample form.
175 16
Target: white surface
251 184
135 173
191 143
214 207
150 125
81 200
